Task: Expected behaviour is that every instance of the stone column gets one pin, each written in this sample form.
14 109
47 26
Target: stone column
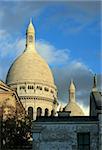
34 113
43 112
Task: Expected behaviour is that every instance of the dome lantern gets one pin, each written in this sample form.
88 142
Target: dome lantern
72 91
30 37
72 104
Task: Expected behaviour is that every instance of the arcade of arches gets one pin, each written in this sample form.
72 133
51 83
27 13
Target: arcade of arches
39 112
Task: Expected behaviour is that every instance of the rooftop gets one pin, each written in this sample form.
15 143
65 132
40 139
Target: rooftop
66 119
97 97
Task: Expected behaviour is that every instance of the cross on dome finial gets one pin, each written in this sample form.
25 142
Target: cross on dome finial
30 37
30 20
30 26
72 86
71 80
72 91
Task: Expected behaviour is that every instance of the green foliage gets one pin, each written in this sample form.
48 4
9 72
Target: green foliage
16 133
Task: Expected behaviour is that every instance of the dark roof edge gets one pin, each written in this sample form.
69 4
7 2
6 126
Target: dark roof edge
66 119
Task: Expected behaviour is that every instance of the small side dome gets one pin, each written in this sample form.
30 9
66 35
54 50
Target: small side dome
72 104
74 108
30 66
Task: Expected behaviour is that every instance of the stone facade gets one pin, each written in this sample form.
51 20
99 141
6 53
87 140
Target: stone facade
96 109
62 134
65 132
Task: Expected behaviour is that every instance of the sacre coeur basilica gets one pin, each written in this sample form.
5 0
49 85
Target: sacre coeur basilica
31 76
30 90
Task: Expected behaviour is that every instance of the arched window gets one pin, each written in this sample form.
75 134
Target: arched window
46 112
46 89
22 87
39 87
39 112
52 91
30 87
53 112
30 113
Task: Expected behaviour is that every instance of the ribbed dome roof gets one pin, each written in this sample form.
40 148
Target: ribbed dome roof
29 67
74 108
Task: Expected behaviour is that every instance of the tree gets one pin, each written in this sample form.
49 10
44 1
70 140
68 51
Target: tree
16 133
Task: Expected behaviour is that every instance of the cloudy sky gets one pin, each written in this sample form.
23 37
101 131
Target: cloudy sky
67 37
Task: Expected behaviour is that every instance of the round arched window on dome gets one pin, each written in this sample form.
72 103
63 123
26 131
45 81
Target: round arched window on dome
39 112
30 113
46 112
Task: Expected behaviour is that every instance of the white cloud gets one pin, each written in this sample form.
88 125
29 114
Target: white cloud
1 71
76 65
4 36
20 46
9 46
84 108
51 54
15 47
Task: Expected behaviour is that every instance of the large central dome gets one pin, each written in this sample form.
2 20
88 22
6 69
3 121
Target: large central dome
31 76
29 66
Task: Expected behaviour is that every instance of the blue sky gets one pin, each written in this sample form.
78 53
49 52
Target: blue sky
68 36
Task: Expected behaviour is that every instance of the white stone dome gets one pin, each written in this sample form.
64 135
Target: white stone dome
72 104
74 108
29 67
32 78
